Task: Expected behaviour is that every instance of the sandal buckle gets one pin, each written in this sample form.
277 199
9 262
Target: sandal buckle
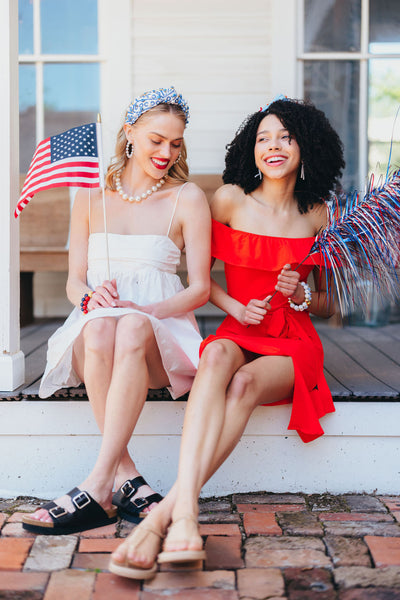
57 512
81 500
140 502
128 489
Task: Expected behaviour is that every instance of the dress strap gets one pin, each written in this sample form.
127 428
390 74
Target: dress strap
90 228
175 205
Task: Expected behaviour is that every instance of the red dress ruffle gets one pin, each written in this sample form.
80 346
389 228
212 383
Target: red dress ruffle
252 265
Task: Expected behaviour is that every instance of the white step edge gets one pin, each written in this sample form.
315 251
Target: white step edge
48 447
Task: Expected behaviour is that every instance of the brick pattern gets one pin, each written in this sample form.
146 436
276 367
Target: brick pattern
385 551
223 552
258 546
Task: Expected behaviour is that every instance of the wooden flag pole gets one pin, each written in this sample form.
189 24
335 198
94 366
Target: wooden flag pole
101 177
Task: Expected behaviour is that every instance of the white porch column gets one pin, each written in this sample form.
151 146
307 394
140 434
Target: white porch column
11 358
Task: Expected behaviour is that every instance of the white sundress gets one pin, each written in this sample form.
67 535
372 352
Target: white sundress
144 267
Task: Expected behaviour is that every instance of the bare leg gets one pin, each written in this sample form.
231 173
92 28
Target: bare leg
93 361
137 365
263 380
204 418
135 348
266 379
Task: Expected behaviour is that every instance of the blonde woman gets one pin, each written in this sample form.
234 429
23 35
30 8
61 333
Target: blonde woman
136 330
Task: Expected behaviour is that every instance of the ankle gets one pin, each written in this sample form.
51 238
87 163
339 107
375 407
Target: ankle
123 475
126 468
100 486
158 520
185 510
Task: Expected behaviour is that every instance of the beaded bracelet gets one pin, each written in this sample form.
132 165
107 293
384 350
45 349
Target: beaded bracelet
85 302
307 299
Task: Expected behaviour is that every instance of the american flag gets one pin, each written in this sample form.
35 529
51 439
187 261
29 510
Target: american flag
68 159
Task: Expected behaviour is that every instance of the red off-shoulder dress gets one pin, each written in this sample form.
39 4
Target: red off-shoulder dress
252 265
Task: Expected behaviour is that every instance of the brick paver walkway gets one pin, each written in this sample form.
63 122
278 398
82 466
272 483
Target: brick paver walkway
259 546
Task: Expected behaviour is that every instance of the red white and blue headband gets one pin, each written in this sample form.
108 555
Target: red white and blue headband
150 99
278 97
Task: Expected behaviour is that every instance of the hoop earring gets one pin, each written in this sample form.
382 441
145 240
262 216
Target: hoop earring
302 176
179 158
258 174
129 149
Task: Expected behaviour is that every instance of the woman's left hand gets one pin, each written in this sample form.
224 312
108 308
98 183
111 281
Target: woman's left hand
149 309
127 304
288 282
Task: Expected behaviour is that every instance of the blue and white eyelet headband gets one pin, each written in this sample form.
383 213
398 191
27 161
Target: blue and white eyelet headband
149 100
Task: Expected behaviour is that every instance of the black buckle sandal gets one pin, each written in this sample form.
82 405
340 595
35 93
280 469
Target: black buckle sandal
88 514
128 489
131 510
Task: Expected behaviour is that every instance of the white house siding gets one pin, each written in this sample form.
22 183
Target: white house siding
227 57
218 53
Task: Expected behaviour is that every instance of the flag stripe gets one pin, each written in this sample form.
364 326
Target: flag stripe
77 168
71 183
46 166
39 160
59 180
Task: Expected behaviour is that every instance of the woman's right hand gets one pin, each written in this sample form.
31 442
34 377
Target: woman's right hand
254 312
104 295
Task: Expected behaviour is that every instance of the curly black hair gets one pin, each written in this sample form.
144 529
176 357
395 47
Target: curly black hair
321 151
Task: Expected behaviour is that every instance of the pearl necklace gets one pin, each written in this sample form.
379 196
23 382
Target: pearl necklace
143 196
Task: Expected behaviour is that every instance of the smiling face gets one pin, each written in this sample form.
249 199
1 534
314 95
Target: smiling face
276 153
157 138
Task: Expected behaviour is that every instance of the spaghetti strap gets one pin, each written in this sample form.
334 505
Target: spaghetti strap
90 228
175 205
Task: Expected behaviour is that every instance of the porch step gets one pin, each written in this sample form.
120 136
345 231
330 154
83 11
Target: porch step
48 446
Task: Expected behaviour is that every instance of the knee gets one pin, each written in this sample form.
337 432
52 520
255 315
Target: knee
99 336
215 355
242 389
133 334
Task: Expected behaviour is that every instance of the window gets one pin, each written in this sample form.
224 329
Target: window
59 72
349 61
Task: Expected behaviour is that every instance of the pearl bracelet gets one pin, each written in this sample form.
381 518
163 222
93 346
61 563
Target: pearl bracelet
307 299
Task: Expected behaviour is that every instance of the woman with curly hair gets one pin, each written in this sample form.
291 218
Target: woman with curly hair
134 330
280 169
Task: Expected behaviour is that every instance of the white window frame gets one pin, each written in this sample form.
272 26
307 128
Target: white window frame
39 60
363 57
113 57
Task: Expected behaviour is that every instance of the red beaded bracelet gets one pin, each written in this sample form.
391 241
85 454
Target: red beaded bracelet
85 302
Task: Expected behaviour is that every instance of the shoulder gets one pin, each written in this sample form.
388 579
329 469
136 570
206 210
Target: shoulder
191 199
191 192
81 202
225 200
85 200
318 215
82 196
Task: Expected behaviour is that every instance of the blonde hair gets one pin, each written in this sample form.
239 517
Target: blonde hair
178 172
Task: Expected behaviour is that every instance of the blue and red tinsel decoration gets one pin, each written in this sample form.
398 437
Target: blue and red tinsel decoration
360 247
